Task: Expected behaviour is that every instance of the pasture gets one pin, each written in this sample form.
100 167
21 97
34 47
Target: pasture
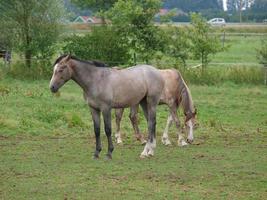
47 143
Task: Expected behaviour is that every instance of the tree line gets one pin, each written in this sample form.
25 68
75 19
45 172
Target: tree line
35 29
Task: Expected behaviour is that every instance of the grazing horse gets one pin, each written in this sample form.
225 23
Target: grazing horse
106 88
175 93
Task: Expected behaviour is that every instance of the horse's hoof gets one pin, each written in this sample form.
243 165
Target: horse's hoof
142 156
143 142
119 142
166 141
150 154
95 157
108 157
190 141
182 143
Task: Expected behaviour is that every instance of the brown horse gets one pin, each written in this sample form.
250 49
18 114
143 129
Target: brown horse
175 93
106 88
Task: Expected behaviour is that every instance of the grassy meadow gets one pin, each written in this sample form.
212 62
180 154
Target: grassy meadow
47 142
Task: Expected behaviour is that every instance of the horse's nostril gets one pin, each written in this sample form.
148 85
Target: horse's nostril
53 88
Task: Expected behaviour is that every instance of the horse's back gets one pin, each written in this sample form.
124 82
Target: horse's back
154 80
134 83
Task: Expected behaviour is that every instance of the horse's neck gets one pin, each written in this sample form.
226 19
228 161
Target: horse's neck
187 102
83 75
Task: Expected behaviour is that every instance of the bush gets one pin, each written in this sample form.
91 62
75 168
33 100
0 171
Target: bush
101 44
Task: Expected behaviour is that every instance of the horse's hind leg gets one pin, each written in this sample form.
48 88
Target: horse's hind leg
149 108
134 119
96 119
118 115
107 122
165 137
181 141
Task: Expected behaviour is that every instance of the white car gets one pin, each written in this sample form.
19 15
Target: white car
217 21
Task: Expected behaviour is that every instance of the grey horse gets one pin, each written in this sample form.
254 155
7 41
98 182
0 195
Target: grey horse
106 88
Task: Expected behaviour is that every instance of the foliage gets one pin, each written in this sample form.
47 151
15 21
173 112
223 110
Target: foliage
99 6
34 26
203 44
262 52
177 43
103 43
192 5
259 6
133 22
168 17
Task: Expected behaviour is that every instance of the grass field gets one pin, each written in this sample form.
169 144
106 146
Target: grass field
46 145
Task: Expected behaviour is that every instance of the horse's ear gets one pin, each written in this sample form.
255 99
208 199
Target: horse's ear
67 58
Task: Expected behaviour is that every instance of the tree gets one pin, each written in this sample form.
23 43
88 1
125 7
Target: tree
133 22
193 5
239 6
177 44
99 6
102 43
34 26
203 44
259 6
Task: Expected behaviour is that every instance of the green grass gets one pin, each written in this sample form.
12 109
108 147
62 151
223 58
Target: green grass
241 49
47 142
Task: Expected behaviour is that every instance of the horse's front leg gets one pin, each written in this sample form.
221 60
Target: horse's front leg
107 122
118 116
96 119
190 137
165 137
134 119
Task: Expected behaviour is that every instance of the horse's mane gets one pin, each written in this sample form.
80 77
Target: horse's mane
94 62
185 98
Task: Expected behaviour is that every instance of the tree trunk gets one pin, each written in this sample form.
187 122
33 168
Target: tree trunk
28 58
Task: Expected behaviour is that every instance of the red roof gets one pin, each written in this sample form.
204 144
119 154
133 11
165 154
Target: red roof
163 11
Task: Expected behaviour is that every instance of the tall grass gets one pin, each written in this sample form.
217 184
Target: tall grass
218 75
18 70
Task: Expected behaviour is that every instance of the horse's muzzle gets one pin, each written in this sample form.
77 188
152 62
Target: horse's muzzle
53 89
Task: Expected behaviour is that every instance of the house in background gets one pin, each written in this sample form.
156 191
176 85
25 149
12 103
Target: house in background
87 19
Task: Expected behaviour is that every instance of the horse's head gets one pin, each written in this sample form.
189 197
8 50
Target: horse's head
190 118
61 74
190 124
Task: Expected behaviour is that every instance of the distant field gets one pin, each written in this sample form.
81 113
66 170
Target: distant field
241 49
46 145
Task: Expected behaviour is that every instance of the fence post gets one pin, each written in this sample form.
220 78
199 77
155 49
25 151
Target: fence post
223 38
265 76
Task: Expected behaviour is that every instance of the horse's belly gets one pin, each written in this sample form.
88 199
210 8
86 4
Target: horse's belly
127 98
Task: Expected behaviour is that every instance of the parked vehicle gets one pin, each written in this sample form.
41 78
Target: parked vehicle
217 21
